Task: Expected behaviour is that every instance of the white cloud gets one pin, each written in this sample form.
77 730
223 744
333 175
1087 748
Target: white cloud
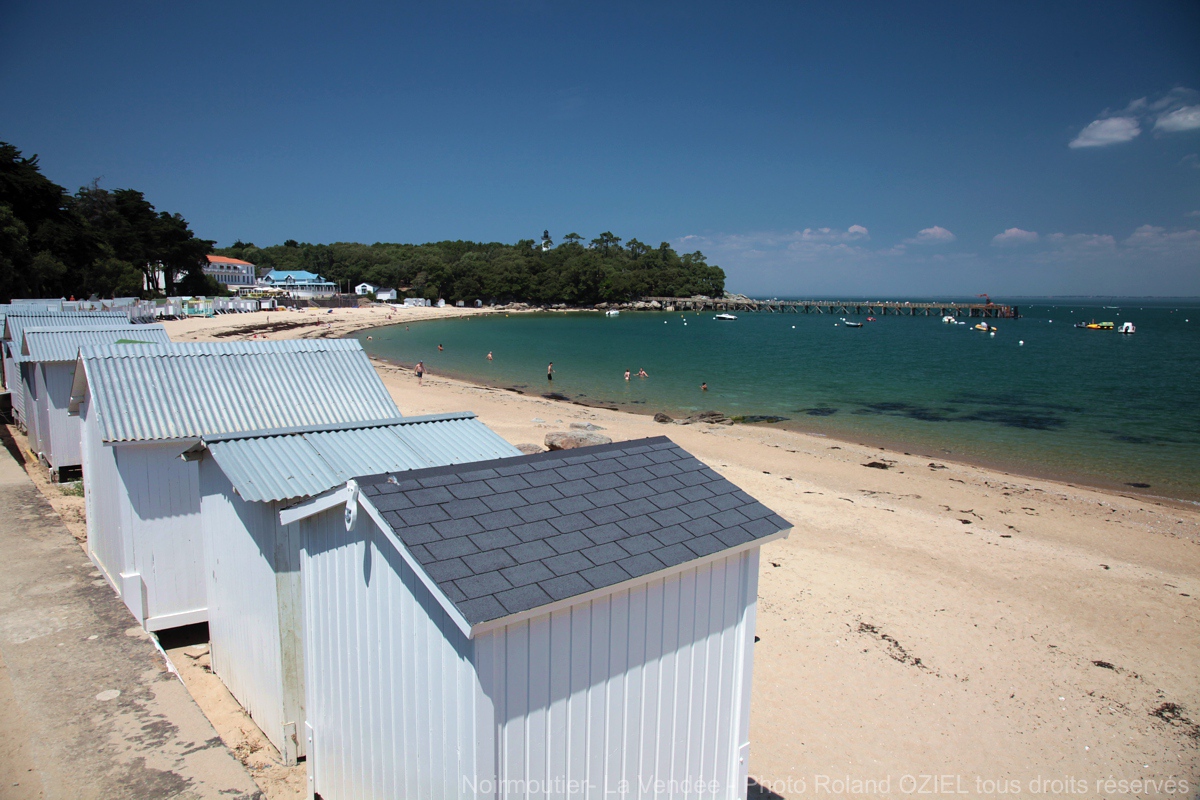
1014 236
935 235
1159 240
1103 132
1193 213
1186 118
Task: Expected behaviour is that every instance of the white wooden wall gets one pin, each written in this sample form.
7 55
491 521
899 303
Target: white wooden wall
159 504
102 501
392 696
58 432
641 693
646 684
255 619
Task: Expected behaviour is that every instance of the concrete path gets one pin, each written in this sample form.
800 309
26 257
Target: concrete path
87 706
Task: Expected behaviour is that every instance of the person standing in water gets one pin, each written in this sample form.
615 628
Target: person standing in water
704 387
420 370
642 373
626 374
550 371
489 355
439 348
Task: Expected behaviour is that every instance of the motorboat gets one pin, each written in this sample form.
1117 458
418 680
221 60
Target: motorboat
1096 326
983 326
949 320
870 319
726 317
612 312
1127 328
854 324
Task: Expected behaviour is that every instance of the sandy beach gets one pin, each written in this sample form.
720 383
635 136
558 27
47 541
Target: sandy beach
927 627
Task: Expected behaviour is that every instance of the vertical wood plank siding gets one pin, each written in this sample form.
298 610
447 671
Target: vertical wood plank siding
59 434
640 693
243 604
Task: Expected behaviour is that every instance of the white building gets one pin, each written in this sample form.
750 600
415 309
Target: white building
298 283
47 358
365 288
232 273
385 295
572 623
17 318
141 407
255 619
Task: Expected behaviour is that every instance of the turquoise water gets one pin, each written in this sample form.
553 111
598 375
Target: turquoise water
1093 406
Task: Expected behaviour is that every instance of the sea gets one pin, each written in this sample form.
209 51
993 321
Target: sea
1039 397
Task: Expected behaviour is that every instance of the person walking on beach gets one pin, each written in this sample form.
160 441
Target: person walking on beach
550 371
420 370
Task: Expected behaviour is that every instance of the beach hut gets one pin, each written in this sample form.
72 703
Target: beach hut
577 623
255 619
141 407
47 358
29 315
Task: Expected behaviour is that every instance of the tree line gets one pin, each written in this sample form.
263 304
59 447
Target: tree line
602 270
105 243
95 242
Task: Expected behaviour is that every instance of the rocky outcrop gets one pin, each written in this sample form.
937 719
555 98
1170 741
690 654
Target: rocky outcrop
663 418
574 439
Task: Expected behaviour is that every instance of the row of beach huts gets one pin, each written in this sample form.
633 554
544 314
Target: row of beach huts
406 602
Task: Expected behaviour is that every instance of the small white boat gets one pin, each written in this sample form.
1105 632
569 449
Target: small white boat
949 320
725 317
854 324
612 312
1127 327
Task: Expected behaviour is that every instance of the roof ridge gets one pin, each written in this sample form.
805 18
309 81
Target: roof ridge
551 455
300 430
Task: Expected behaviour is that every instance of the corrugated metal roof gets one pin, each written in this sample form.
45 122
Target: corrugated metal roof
18 319
278 466
62 344
189 389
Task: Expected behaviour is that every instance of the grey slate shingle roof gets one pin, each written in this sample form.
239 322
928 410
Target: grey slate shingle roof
505 536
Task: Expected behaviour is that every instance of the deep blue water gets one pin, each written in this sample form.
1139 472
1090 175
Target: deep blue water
1086 405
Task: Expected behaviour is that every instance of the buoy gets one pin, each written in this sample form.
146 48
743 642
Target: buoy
1022 342
793 327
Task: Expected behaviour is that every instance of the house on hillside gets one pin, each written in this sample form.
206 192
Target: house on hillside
141 407
580 618
255 619
299 283
232 273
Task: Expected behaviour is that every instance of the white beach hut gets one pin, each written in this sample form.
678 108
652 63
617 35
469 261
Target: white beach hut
255 619
141 407
30 315
570 624
47 358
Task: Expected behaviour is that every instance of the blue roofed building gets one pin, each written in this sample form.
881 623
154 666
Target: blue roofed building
298 283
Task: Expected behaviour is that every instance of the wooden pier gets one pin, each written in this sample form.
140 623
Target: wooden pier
839 307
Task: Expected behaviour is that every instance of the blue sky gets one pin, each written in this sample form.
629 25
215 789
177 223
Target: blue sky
865 149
